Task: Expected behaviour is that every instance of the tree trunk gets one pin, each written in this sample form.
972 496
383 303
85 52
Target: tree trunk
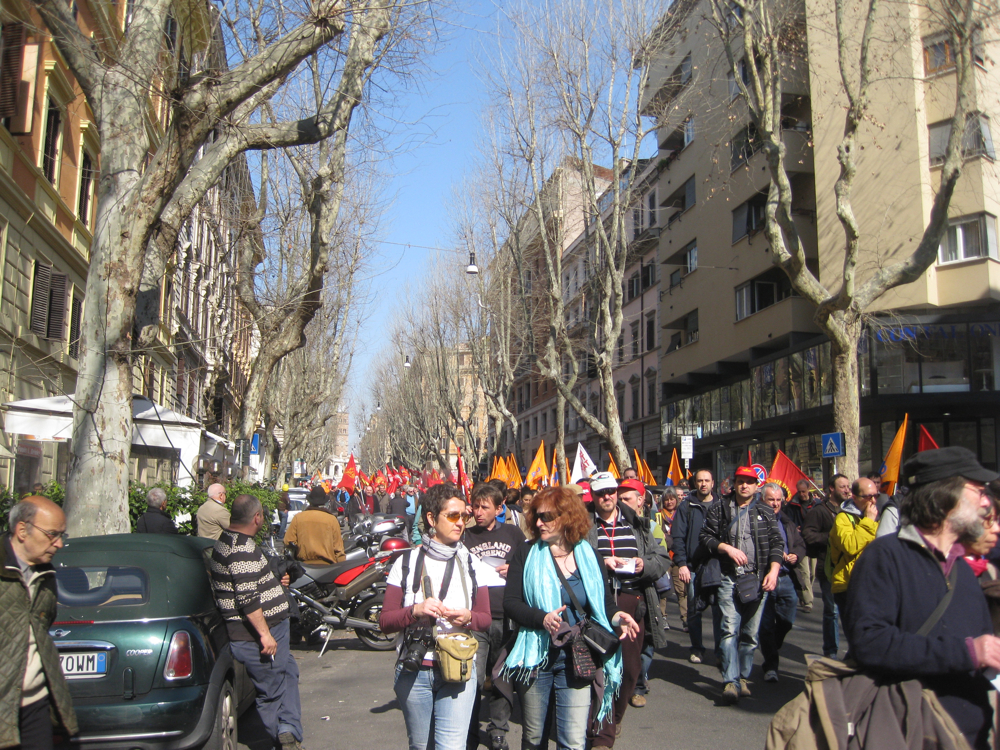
560 458
844 331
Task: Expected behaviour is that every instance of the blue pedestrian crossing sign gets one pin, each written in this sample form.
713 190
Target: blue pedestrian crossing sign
833 444
255 444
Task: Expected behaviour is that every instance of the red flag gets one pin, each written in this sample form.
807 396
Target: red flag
464 483
363 479
926 441
786 473
350 475
394 480
434 479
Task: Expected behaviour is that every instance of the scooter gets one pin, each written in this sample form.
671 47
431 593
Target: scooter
348 594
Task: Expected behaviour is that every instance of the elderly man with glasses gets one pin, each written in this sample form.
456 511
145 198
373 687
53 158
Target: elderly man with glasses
33 691
914 608
853 529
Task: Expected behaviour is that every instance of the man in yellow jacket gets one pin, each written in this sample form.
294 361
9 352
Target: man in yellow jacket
853 529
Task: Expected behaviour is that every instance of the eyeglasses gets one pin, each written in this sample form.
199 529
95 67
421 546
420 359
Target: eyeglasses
454 515
547 516
868 497
52 535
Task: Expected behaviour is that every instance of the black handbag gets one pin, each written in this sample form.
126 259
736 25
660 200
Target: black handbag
601 642
748 587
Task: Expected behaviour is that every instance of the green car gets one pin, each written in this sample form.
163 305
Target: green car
143 646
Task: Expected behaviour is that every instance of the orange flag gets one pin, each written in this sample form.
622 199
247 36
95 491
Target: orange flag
786 473
538 472
514 480
893 459
674 473
612 467
350 475
554 476
643 472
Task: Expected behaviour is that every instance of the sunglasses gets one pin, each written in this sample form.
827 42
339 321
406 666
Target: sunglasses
602 493
547 516
454 515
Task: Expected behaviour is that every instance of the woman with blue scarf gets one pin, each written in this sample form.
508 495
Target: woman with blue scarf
538 602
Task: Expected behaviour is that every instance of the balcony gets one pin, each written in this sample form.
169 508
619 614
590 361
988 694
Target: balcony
967 281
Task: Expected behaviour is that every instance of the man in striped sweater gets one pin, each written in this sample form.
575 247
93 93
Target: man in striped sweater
255 608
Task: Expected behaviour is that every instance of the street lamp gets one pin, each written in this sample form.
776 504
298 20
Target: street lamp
472 269
407 362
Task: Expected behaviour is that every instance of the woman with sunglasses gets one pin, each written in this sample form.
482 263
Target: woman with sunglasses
537 601
440 595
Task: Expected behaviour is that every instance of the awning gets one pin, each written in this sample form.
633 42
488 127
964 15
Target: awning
152 425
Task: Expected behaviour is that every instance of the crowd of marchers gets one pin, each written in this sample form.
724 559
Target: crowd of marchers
558 600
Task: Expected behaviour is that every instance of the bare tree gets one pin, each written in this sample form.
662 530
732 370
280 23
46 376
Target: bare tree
570 88
767 38
205 119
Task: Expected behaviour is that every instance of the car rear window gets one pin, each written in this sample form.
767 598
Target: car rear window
100 586
297 504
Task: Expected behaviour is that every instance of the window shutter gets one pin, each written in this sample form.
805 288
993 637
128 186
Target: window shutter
11 60
40 299
938 141
739 222
57 307
76 311
689 195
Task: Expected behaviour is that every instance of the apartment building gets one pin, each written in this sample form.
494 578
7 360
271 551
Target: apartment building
745 369
49 163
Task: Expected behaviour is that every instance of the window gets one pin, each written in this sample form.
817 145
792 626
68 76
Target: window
685 69
112 586
647 275
734 89
748 219
692 256
689 130
744 145
691 326
969 237
621 348
545 421
634 328
11 60
75 319
755 295
650 396
48 302
681 200
52 142
87 177
170 32
633 286
651 204
650 332
636 409
938 55
977 141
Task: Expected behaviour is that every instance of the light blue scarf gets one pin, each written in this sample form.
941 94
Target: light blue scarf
543 590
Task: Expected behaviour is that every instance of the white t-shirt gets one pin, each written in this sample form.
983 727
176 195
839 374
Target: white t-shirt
455 598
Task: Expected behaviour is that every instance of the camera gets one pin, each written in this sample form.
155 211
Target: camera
416 643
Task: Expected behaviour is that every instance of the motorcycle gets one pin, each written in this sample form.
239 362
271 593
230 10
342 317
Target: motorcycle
369 533
346 595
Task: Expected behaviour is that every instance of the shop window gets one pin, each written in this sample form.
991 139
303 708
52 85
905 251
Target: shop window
969 237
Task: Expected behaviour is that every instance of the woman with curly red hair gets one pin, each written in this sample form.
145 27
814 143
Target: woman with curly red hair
536 600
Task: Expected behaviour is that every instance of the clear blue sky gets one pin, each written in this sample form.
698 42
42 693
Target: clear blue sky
443 124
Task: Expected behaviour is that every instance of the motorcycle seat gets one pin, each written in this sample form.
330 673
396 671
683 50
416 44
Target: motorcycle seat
328 573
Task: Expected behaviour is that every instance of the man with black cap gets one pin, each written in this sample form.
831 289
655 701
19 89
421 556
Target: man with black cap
742 532
895 626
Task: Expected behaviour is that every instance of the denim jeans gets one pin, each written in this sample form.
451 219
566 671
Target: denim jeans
740 624
642 684
831 638
276 681
694 623
779 616
572 705
426 699
490 644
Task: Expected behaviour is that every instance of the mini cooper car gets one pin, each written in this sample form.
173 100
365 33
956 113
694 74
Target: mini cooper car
144 649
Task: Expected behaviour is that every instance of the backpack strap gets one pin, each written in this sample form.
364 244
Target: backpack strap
942 606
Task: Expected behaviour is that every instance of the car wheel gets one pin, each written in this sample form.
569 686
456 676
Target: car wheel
370 609
224 733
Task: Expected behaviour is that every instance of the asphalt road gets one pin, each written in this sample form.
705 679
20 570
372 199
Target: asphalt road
348 702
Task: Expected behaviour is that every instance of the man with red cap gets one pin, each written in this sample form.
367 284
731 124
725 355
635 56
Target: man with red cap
742 532
624 540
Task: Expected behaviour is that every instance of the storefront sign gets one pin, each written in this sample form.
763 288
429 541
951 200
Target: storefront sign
29 448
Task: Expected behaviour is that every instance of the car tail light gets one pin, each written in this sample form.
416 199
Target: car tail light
179 658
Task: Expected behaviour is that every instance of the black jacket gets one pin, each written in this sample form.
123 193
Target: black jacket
796 545
155 521
763 526
895 585
796 511
686 532
816 530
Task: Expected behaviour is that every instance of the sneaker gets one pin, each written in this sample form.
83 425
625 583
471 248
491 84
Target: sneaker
499 742
637 701
744 689
771 675
288 742
730 694
694 658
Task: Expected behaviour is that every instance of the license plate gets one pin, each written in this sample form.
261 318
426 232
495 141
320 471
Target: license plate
81 665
